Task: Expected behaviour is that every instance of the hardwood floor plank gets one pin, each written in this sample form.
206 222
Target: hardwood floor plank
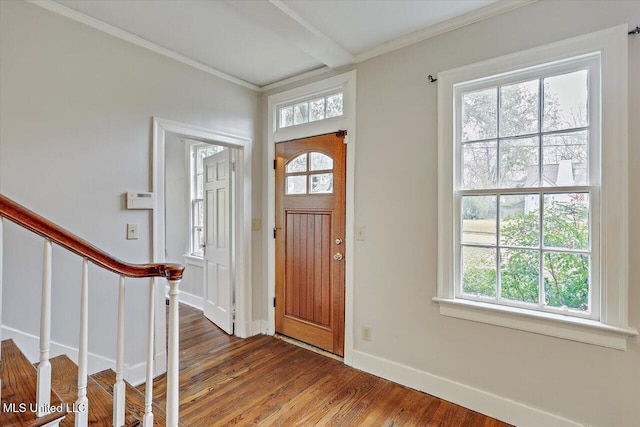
263 381
65 381
19 388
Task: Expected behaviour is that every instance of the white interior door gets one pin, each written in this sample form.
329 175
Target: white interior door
218 286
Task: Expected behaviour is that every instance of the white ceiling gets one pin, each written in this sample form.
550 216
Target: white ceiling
265 41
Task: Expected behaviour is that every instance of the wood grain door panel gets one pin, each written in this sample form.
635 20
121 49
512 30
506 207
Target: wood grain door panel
309 281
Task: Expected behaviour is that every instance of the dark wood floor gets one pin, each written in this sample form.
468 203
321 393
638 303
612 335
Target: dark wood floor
267 382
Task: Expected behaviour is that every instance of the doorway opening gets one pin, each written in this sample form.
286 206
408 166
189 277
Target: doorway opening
202 184
310 232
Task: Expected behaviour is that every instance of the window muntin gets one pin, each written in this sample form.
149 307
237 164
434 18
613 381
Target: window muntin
311 110
196 233
527 189
309 173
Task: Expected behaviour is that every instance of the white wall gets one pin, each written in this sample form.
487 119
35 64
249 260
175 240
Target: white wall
76 111
395 268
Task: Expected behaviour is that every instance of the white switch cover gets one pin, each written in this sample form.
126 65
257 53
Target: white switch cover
132 231
256 224
360 232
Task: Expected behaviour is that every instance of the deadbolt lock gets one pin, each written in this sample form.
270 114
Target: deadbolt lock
338 256
338 241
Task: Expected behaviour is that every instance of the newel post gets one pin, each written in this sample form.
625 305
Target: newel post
172 356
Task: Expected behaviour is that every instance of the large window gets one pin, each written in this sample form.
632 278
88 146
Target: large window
532 188
527 191
197 154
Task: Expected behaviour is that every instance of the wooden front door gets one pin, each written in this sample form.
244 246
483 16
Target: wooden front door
310 225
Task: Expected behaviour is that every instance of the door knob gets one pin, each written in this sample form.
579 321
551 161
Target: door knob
338 256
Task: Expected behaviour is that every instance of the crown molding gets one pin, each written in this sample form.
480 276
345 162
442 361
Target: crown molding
132 38
493 9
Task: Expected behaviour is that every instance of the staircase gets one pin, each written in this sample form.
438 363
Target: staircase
56 391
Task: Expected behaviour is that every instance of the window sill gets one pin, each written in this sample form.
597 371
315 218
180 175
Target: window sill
193 260
554 325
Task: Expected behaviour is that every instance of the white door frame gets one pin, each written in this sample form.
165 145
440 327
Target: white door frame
242 218
347 83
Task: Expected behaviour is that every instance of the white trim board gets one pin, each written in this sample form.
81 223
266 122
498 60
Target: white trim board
242 218
478 400
30 346
139 41
191 300
322 40
346 81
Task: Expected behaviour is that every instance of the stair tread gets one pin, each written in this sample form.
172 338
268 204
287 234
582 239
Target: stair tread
134 398
19 379
65 382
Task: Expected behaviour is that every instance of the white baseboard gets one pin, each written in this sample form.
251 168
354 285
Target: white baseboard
30 346
258 327
492 405
191 300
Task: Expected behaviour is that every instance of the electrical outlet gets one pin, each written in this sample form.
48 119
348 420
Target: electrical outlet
256 224
366 333
132 231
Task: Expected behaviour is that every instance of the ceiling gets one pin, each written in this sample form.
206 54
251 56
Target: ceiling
259 42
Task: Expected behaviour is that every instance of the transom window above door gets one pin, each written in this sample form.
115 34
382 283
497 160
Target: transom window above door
309 173
311 110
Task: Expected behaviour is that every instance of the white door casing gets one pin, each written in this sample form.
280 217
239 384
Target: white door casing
218 283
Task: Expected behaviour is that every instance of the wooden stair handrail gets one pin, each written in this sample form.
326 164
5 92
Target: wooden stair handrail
22 216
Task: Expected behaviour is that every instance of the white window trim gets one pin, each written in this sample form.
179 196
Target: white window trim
346 82
612 330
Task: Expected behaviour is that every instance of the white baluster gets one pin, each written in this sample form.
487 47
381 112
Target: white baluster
119 387
82 404
43 393
173 351
1 263
147 421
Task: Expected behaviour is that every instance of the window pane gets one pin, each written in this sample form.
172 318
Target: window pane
199 193
479 115
322 183
479 165
566 280
519 162
198 241
520 220
519 275
334 105
479 271
566 220
297 184
479 220
301 113
519 108
565 101
299 164
286 117
565 158
321 162
198 213
316 110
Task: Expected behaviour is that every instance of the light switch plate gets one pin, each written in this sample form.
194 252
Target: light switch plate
361 232
132 231
256 224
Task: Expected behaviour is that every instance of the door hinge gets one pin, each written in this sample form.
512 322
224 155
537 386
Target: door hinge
341 133
274 301
275 163
233 312
233 166
275 230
